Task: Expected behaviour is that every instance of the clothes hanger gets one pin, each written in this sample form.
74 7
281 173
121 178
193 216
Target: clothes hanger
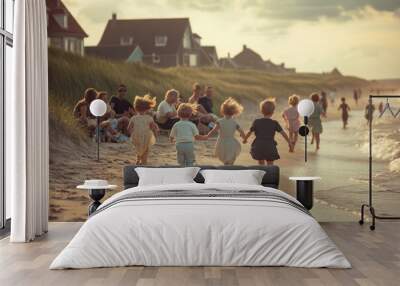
387 106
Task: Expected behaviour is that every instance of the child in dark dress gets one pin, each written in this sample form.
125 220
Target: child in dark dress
263 148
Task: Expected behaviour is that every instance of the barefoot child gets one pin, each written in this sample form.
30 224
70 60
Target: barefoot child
292 119
143 128
228 147
263 148
314 120
184 133
345 108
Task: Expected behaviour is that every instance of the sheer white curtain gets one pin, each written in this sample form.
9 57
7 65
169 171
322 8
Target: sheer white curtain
27 124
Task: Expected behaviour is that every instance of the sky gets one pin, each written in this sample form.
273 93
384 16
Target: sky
360 37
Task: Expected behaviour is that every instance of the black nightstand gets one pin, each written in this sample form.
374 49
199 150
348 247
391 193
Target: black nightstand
96 190
304 190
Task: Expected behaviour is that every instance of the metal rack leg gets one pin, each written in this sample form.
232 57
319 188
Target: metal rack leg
361 221
372 211
373 216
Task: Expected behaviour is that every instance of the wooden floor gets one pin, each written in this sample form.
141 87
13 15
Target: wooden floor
375 257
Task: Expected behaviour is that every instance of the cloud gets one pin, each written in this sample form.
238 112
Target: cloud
201 5
308 10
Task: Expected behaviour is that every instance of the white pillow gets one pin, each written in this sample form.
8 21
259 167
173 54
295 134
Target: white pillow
166 176
248 177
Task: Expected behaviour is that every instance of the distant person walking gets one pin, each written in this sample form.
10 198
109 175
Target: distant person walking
292 119
380 107
324 102
315 120
369 112
355 96
345 108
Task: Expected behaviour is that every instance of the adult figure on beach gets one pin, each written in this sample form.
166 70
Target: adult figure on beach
205 121
369 112
166 115
110 113
112 129
82 112
355 96
207 100
292 119
194 98
315 120
121 106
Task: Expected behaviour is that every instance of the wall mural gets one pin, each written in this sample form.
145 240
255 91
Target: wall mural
182 87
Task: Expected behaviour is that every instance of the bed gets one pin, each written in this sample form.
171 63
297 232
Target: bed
201 224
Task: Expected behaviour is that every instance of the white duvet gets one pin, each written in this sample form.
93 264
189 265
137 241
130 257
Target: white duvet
193 231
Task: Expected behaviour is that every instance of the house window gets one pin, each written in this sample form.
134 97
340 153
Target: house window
155 58
62 20
126 41
161 41
6 65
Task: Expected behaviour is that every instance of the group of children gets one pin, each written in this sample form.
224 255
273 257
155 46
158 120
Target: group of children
184 133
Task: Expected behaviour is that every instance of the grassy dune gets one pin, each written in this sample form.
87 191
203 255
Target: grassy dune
70 75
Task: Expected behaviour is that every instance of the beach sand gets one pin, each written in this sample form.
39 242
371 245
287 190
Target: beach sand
340 163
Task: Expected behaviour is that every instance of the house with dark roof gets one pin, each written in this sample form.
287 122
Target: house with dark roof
63 30
207 55
164 42
248 58
211 54
275 68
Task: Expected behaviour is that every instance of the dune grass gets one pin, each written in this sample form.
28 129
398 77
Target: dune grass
70 75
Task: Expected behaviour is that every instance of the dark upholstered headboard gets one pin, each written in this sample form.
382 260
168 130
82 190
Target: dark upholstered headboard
271 177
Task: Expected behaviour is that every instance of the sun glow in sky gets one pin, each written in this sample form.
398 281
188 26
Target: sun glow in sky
360 37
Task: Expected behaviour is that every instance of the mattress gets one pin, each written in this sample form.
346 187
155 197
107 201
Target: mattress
201 225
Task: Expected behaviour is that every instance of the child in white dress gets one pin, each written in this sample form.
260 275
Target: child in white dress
292 119
228 147
143 128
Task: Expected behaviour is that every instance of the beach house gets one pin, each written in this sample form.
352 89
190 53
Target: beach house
164 42
63 30
248 58
208 55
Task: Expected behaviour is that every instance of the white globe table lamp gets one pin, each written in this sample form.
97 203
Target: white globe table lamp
305 109
98 108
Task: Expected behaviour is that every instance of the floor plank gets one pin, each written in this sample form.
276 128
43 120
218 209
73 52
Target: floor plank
375 257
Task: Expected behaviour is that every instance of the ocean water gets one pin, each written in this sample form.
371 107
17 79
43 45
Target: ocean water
342 162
